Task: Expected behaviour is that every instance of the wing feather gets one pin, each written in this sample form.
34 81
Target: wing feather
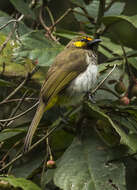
64 70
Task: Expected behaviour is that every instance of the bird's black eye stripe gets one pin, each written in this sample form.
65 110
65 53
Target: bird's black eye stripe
84 40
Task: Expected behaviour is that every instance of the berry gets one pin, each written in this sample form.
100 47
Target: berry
51 164
124 100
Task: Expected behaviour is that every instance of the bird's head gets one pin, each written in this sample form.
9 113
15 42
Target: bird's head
84 42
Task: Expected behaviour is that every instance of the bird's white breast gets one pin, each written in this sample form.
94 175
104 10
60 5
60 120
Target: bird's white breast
84 81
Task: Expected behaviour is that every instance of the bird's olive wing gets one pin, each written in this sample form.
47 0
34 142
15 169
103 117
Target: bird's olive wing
64 70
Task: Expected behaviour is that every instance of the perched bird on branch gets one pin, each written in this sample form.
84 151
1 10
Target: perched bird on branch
73 73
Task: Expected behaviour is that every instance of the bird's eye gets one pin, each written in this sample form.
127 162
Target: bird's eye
84 40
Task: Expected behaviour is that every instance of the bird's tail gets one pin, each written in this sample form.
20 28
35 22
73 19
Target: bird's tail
38 115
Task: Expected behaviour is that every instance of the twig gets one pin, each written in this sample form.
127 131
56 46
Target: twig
7 153
43 171
9 22
129 72
126 62
99 17
100 84
51 15
110 4
83 14
57 124
29 75
21 114
18 99
3 68
11 33
33 146
122 157
49 148
16 109
49 33
59 19
11 162
8 38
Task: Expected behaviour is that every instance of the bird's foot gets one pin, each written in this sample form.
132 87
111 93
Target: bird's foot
90 97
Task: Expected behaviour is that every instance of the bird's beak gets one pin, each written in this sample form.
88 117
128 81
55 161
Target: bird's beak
94 41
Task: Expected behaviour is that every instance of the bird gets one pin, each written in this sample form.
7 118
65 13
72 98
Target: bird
72 74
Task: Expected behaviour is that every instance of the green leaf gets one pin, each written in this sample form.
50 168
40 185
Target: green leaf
5 83
84 165
115 9
111 19
117 27
113 48
36 47
91 9
78 3
20 183
66 34
9 133
127 122
23 8
133 62
125 138
27 167
3 14
22 28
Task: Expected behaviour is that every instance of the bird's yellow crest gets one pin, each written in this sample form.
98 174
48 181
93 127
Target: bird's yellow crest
82 42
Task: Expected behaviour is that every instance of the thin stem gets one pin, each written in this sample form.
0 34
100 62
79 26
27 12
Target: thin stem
29 75
51 15
21 114
16 109
100 15
18 99
60 18
100 84
110 4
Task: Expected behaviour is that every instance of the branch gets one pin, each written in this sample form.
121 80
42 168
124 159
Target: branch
21 114
100 15
16 109
100 84
18 99
110 4
11 33
49 33
53 127
29 75
59 19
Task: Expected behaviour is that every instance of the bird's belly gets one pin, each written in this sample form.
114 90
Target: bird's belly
83 82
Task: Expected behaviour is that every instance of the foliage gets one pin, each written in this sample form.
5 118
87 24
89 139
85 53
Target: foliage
95 146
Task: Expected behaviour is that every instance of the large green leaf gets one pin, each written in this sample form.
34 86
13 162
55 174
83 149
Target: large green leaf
28 166
115 9
23 8
20 183
126 139
123 29
66 34
36 47
9 133
84 165
109 48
